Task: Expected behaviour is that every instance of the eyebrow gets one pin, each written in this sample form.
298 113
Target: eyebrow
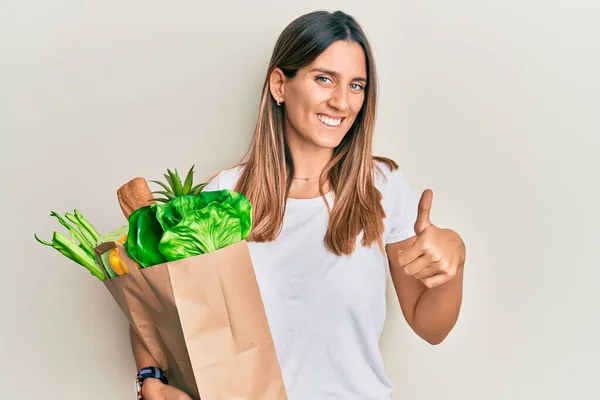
333 73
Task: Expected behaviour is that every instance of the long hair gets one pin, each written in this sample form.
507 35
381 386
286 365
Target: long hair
268 170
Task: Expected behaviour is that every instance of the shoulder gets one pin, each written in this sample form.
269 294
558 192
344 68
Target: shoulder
389 177
224 179
398 196
398 199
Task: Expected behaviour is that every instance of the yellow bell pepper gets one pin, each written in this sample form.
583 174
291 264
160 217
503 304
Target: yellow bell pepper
115 261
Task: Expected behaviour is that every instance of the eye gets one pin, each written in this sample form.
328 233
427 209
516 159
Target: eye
323 79
356 86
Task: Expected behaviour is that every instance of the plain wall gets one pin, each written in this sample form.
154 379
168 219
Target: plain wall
492 104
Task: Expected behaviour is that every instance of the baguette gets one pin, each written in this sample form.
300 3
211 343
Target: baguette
133 195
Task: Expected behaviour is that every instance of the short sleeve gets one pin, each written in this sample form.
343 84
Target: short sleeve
225 179
214 183
402 205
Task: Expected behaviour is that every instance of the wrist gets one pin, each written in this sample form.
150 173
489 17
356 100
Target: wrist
149 380
151 386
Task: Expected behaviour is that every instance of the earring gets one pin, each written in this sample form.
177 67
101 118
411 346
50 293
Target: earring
278 103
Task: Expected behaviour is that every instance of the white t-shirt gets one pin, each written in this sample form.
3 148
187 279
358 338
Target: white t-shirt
326 312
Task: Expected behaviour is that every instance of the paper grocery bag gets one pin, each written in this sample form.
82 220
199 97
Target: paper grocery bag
202 318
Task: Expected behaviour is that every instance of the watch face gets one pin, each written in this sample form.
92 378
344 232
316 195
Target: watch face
138 388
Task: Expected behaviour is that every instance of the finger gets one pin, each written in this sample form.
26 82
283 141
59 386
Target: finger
423 215
428 272
417 266
435 280
410 254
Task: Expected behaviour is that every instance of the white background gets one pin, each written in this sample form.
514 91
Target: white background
492 104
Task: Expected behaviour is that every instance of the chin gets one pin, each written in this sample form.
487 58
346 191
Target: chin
330 140
328 137
327 144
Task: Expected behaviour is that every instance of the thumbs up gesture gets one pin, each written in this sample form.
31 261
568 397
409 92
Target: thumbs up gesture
436 254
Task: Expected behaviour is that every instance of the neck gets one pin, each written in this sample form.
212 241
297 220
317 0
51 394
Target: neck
309 161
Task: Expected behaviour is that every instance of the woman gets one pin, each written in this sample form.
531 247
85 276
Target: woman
330 220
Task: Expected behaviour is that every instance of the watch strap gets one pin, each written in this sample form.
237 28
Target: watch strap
152 372
145 373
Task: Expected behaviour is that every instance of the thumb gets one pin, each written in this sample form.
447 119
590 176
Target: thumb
423 221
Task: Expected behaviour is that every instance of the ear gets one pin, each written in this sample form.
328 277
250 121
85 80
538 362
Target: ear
277 84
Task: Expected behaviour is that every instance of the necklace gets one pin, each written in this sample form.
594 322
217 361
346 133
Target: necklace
306 179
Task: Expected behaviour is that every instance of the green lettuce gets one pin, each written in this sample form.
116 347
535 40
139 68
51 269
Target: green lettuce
202 231
187 226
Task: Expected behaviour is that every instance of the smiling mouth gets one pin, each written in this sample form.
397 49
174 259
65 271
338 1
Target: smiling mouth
330 121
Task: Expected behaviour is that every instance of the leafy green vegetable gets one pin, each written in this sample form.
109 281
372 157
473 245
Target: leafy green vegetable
171 213
235 200
188 225
202 231
143 237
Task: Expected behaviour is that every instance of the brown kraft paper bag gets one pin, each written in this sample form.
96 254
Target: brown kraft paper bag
202 318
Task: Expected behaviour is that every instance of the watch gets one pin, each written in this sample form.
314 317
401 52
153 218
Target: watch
145 373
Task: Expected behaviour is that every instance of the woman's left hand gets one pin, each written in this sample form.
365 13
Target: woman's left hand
437 254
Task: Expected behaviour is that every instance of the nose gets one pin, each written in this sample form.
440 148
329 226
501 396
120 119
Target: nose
339 99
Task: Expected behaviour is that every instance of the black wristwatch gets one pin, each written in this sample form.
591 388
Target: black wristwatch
145 373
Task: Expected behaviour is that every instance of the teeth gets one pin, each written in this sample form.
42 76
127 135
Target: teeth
329 121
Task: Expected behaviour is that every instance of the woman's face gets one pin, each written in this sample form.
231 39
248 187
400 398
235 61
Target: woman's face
322 101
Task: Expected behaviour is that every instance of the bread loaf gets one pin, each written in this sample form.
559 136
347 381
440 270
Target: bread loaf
133 195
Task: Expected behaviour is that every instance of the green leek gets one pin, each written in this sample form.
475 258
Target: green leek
80 246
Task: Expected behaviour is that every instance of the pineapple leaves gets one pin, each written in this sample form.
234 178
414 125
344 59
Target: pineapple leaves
174 187
197 189
168 195
168 189
168 179
187 186
175 182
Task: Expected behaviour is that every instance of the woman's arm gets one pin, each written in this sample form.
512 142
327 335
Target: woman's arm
427 271
152 389
142 356
430 312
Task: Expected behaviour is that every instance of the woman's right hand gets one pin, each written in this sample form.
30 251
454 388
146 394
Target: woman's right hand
154 389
